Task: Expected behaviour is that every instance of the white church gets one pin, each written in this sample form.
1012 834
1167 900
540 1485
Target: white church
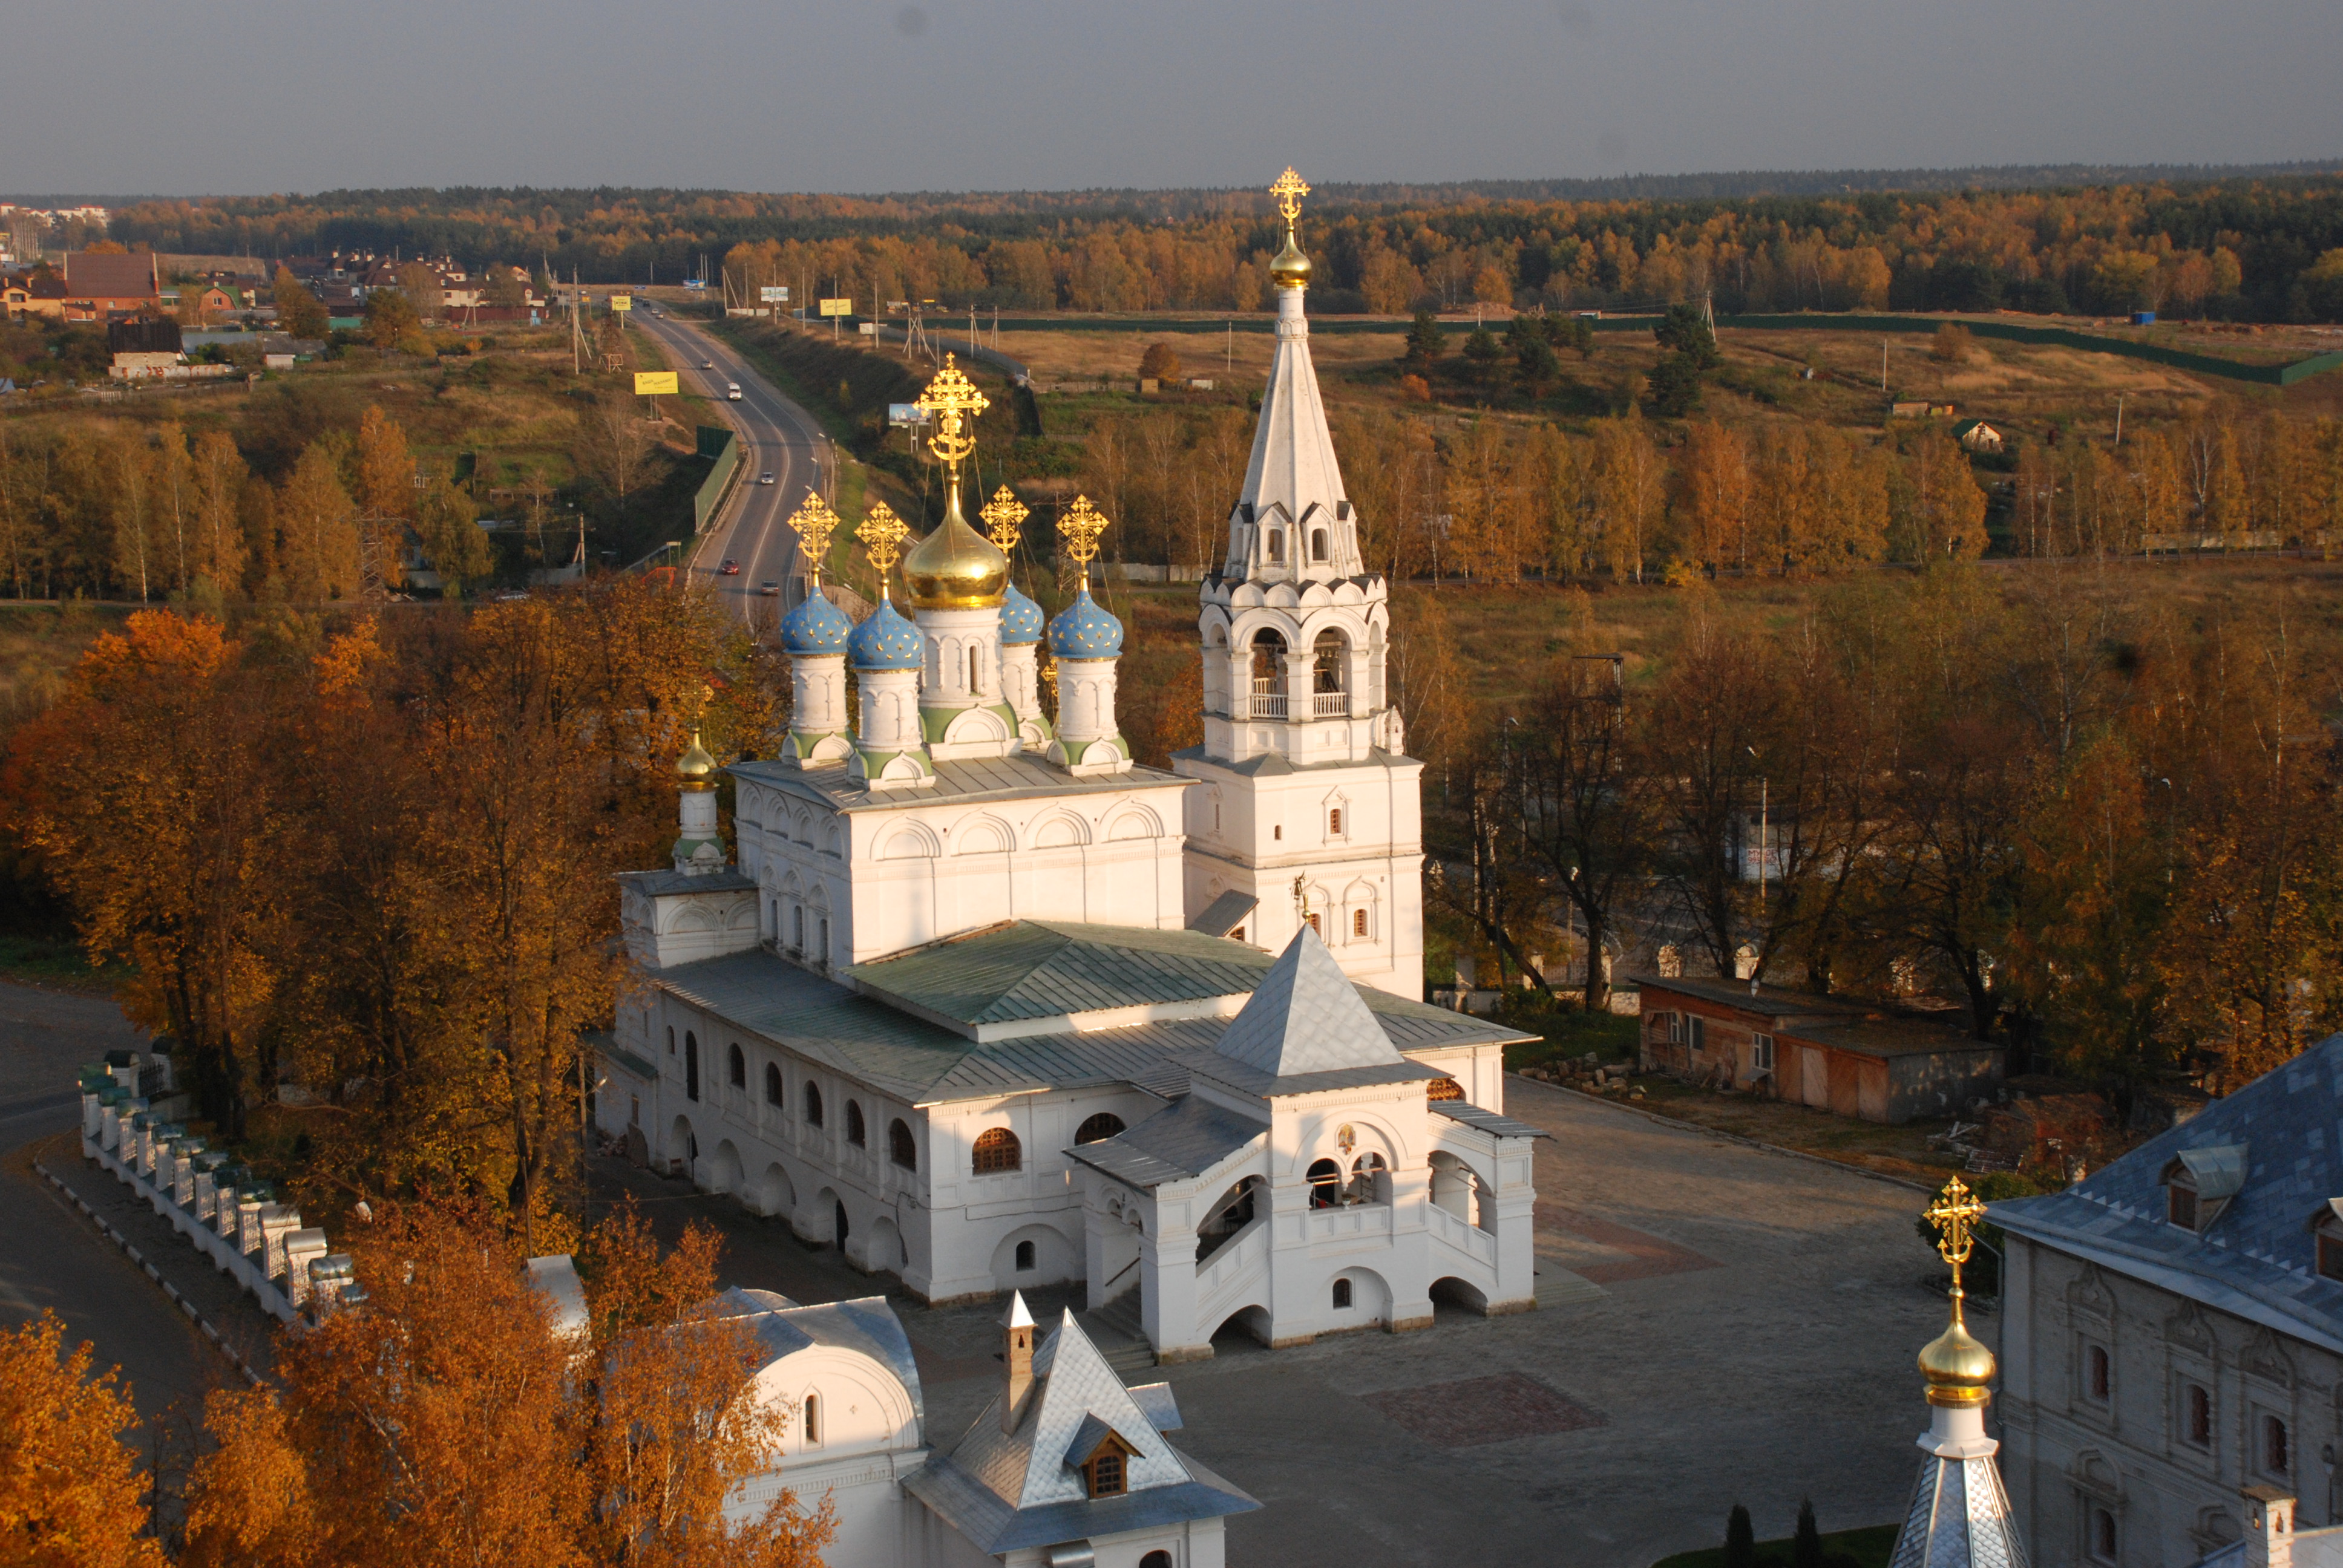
988 1006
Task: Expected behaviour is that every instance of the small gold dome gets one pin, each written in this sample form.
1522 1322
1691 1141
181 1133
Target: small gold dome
1957 1367
955 568
695 770
1290 269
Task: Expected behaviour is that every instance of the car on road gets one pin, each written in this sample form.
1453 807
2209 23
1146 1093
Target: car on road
732 391
730 568
764 479
769 589
707 364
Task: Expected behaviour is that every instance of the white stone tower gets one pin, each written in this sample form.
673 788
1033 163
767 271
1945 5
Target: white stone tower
1308 807
958 580
1960 1516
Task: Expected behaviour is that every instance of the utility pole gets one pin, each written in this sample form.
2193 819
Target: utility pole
2119 397
1883 364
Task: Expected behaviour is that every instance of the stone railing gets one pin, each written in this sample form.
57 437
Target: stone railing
133 1124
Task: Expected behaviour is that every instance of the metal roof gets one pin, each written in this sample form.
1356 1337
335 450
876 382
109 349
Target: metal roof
1177 1143
663 884
2258 1258
1305 1016
1024 970
1225 914
980 778
1488 1121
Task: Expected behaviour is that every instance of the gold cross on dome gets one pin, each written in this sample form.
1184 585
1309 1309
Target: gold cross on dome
1002 516
1289 190
954 401
1954 1214
1081 526
882 534
813 523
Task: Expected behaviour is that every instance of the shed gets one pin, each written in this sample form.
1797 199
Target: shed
1977 435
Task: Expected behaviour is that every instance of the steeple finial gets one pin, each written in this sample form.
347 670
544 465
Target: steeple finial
1003 516
882 534
814 522
1290 269
1956 1366
1289 188
954 402
1081 526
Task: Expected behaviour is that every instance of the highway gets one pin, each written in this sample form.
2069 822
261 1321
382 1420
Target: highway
777 438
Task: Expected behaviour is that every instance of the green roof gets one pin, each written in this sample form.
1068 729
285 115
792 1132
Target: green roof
1025 969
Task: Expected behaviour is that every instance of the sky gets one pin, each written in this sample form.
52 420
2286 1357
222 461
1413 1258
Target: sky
244 97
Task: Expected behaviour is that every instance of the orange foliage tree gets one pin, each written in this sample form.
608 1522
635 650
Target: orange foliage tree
70 1496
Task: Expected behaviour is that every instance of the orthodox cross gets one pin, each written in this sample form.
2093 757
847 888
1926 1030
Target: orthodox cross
1954 1214
813 523
1289 190
1081 525
1002 516
882 534
953 401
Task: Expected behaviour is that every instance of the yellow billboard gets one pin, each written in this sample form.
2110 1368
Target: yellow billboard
656 384
622 302
838 307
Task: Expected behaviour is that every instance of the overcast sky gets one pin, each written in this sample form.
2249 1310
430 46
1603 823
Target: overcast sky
115 97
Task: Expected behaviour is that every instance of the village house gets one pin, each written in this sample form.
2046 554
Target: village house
1849 1057
1977 435
97 288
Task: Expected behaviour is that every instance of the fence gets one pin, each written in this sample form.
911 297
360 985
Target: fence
716 442
2011 332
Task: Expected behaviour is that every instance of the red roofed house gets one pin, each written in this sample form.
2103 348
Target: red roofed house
97 286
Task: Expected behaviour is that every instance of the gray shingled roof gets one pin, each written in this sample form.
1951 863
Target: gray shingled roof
1488 1121
1027 970
663 884
1178 1143
1305 1016
866 1324
2257 1258
926 1063
1225 914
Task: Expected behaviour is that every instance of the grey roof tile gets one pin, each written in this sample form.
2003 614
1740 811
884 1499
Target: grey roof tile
1306 1017
1031 970
1488 1121
1178 1143
994 779
1225 914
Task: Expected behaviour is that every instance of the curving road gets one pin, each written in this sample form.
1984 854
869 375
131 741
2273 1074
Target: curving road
777 438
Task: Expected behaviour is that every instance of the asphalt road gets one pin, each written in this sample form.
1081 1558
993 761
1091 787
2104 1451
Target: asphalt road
777 438
50 1256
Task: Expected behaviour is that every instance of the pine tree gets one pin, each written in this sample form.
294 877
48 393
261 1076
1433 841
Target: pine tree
1740 1540
1806 1545
1426 342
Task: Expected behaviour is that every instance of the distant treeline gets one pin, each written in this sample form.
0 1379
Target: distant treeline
2264 247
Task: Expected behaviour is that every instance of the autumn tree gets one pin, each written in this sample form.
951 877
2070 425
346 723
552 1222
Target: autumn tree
1586 805
1943 511
317 546
384 472
70 1496
219 479
1629 487
453 541
298 311
1713 485
392 320
1159 363
1426 342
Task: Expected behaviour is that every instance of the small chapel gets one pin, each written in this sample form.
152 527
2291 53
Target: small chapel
986 1004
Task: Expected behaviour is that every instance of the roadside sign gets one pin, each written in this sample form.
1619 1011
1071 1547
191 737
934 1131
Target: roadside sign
693 283
838 307
773 296
901 415
869 329
622 302
656 384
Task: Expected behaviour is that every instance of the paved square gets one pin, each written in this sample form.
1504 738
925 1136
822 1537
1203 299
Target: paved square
1474 1411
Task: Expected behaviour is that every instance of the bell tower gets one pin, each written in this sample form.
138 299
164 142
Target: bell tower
1310 809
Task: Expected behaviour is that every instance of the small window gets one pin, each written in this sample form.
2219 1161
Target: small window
1277 546
691 1066
2103 1536
1334 823
2180 1200
2277 1452
2098 1377
1025 1257
772 1084
855 1134
1761 1052
2197 1415
1342 1295
1674 1024
797 928
1156 1560
902 1148
1699 1032
812 1421
1358 923
1317 544
1278 831
736 1067
813 1105
975 686
822 951
1443 1088
1105 1124
997 1150
1105 1469
670 1040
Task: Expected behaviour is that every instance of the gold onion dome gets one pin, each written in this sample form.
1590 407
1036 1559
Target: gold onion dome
956 568
1956 1366
1290 269
695 770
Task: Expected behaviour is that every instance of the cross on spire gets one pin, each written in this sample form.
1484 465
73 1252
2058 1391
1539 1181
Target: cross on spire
1289 189
882 534
1954 1214
814 522
1080 526
954 401
1002 516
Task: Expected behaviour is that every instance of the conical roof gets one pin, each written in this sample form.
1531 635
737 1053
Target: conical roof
1306 1016
1292 464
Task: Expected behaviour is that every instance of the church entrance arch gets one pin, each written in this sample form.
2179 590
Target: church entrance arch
1250 1322
774 1192
1451 1291
682 1148
724 1170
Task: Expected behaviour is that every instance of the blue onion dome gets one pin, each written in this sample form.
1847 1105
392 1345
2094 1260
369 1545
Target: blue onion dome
885 641
816 625
1083 630
1020 619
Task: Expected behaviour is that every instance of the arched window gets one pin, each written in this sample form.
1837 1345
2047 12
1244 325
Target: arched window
2278 1450
1327 662
1334 823
900 1147
797 927
974 685
1105 1124
1025 1256
813 1105
1277 546
854 1130
1156 1560
1367 1173
1443 1088
1342 1295
1317 544
1358 923
812 1419
670 1040
772 1084
1268 661
997 1150
1325 1184
2097 1378
822 952
691 1066
2103 1536
736 1067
